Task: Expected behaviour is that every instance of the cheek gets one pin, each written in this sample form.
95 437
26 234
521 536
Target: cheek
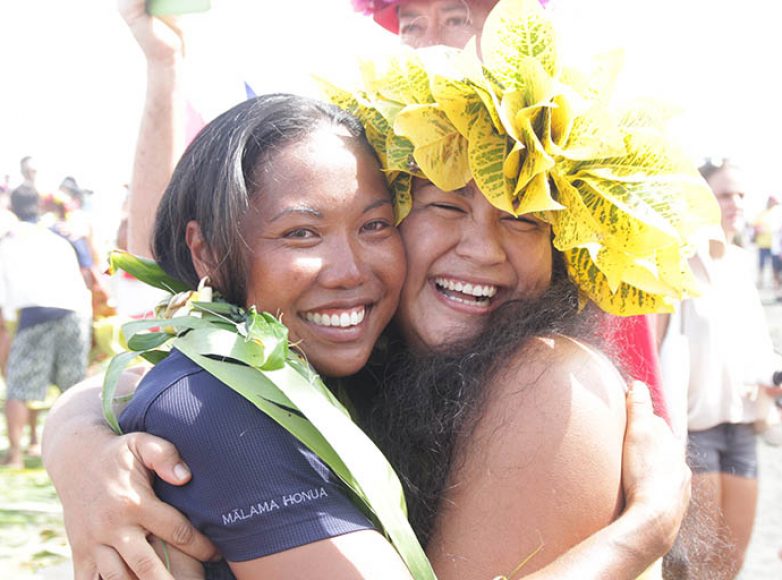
389 262
532 263
275 283
424 243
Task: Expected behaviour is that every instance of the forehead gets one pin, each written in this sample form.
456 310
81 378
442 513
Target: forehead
417 7
726 181
328 164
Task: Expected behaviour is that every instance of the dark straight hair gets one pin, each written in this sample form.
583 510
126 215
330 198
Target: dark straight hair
214 182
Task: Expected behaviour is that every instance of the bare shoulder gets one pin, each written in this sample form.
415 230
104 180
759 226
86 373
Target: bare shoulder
560 377
542 466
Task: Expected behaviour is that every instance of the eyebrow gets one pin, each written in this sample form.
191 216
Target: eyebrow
297 209
312 212
465 192
378 203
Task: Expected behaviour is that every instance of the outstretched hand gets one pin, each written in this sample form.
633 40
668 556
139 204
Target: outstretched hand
110 509
655 475
161 39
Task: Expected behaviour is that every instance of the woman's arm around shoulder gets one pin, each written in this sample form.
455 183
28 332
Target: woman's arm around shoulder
108 503
541 470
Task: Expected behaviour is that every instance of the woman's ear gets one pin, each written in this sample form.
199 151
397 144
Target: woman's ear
199 251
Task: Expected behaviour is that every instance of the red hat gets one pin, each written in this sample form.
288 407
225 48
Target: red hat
383 11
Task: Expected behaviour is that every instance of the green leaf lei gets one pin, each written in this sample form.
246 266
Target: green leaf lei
249 352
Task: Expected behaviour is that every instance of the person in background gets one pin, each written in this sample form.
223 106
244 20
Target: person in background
766 233
41 284
731 364
71 221
29 171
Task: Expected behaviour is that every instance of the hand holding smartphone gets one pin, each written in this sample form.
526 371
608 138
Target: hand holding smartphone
175 7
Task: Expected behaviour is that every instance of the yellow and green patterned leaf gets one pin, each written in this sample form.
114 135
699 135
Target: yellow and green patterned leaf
562 119
595 84
402 78
594 134
516 29
401 192
399 153
537 197
575 227
626 301
459 101
440 150
535 160
486 151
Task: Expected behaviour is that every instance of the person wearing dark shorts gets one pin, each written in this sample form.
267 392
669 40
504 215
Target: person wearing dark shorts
42 287
726 448
731 360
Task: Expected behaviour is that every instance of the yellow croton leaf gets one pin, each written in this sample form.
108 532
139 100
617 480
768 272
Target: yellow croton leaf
402 78
399 153
459 101
440 150
514 30
458 85
663 272
537 197
486 151
626 301
575 227
594 134
630 221
562 119
595 84
401 192
535 160
512 164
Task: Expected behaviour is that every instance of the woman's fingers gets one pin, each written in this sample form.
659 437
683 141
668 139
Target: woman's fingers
160 519
110 566
655 475
160 457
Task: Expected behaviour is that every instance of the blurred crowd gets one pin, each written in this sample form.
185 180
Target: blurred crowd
59 308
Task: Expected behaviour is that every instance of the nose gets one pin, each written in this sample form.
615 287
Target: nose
481 242
430 37
344 268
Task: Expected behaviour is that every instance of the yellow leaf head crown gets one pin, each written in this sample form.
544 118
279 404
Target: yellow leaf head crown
626 207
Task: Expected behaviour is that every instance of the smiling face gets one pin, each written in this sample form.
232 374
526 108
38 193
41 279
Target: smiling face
447 22
465 259
323 252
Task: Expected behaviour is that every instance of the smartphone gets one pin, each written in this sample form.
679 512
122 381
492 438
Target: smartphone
165 7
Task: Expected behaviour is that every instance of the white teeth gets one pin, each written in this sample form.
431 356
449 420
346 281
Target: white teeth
342 320
466 288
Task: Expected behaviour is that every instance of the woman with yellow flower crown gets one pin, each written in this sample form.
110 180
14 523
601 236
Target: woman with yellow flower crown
521 197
